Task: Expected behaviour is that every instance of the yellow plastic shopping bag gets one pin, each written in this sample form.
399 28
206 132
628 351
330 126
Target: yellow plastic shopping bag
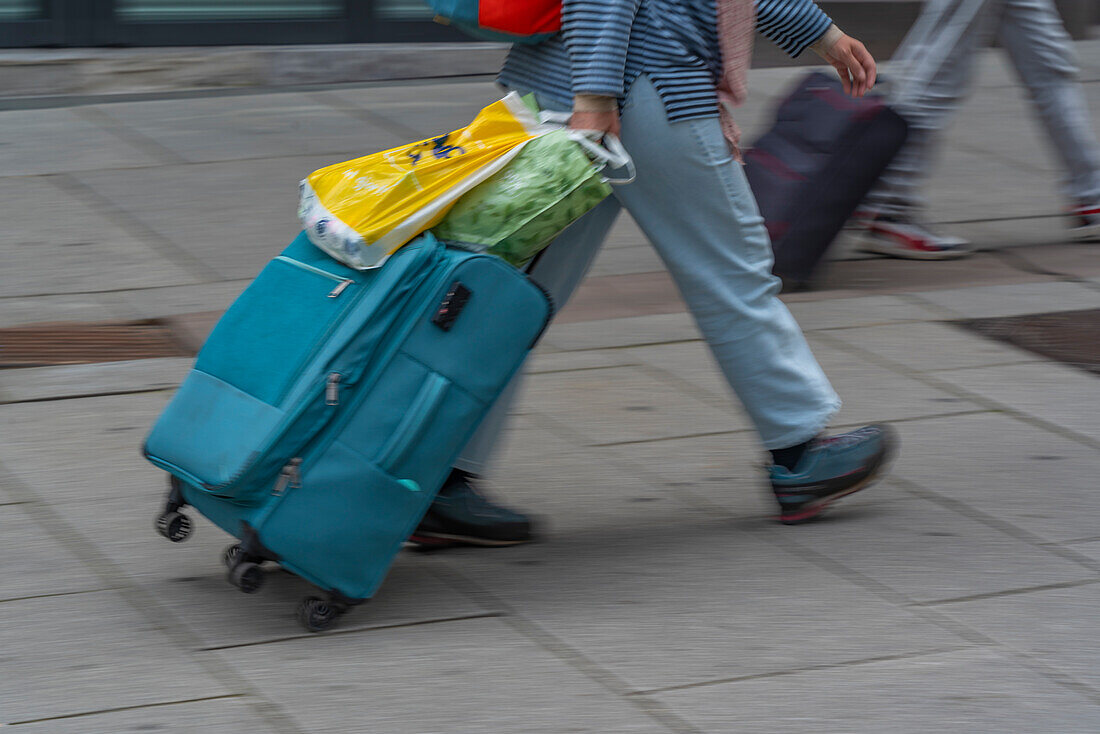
363 210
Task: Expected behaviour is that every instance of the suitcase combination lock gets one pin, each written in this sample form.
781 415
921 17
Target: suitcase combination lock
451 306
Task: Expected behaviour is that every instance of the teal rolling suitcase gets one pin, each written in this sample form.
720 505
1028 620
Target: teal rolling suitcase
329 404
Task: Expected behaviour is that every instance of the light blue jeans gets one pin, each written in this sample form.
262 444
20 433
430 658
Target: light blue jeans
693 202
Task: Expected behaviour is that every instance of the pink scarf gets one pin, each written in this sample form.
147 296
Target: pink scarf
735 33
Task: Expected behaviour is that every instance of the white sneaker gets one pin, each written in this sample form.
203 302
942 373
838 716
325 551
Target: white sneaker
899 236
1085 222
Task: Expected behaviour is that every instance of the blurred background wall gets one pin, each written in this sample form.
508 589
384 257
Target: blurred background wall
86 23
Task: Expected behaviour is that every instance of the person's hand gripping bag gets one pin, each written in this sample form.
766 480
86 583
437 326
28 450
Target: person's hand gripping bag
363 210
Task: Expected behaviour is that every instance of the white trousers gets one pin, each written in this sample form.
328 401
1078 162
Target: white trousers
934 65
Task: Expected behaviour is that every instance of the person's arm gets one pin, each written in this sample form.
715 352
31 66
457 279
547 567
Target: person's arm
596 34
795 25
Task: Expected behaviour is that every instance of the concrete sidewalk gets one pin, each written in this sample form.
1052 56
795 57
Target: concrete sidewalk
956 596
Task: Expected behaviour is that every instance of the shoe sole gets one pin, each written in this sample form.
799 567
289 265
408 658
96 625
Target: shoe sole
866 244
1085 234
443 540
809 512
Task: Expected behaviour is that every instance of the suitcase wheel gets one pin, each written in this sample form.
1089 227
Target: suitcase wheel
231 555
175 526
318 615
247 576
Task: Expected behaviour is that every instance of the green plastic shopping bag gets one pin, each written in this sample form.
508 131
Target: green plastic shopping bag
553 181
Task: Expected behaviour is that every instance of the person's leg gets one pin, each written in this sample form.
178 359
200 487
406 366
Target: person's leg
1042 52
461 513
929 75
694 204
559 269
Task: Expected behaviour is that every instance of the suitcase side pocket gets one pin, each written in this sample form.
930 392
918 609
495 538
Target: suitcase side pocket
262 342
415 422
342 528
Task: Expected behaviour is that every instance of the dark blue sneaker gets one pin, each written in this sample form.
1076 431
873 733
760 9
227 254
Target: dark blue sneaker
461 515
832 467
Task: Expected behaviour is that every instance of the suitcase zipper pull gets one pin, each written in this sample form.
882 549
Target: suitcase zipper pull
332 389
290 477
340 287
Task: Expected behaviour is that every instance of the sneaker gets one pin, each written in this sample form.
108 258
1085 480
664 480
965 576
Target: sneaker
832 467
461 515
1085 222
900 236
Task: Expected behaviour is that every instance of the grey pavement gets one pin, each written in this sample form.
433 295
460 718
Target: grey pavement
958 595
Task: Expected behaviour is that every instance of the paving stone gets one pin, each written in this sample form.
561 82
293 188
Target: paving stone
355 62
1056 627
623 296
929 553
461 678
1092 550
689 361
190 330
861 311
1006 469
993 74
21 310
757 115
582 497
43 383
34 563
959 172
570 361
56 244
871 393
87 448
63 658
727 473
1088 57
423 111
989 117
87 146
1075 259
234 216
953 693
889 275
623 332
668 598
190 579
627 234
218 716
476 93
1012 233
932 346
621 404
203 129
1013 300
1047 390
151 303
624 260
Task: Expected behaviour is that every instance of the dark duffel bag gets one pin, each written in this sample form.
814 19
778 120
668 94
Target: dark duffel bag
814 166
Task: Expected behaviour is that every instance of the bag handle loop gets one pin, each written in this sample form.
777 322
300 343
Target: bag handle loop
604 148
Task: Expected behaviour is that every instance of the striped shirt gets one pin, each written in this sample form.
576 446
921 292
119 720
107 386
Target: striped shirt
606 44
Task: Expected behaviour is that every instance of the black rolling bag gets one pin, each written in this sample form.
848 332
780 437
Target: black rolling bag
814 166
